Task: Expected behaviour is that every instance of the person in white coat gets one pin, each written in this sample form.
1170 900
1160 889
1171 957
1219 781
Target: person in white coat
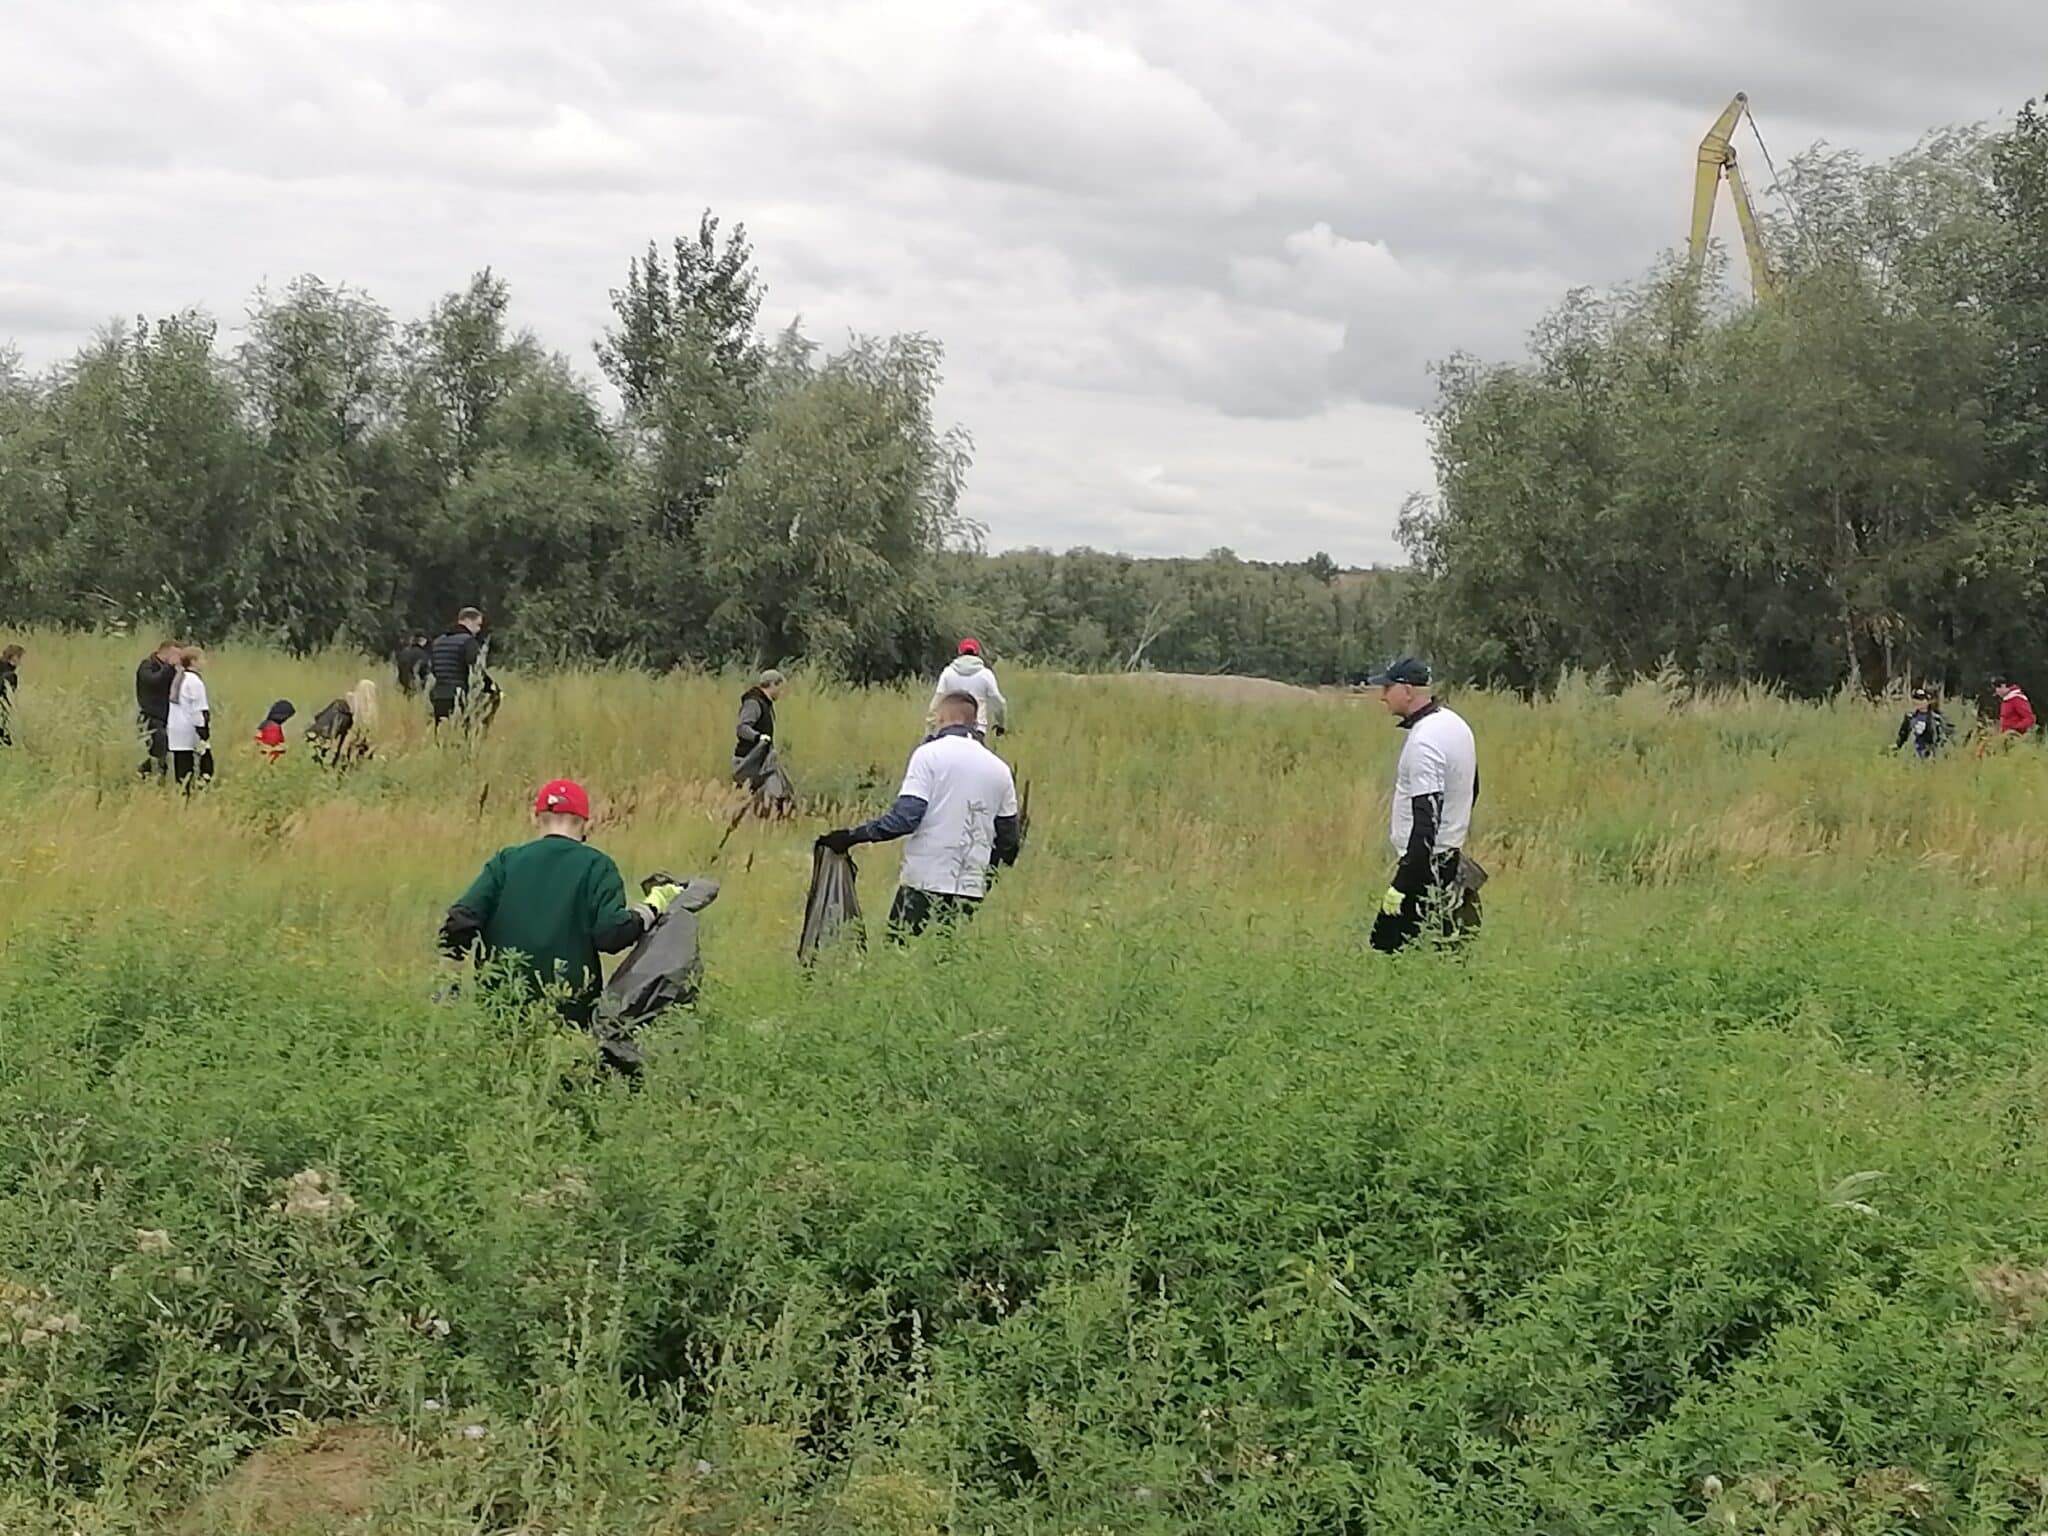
971 675
190 726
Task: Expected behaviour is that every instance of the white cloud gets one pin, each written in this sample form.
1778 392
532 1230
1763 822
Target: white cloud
1190 261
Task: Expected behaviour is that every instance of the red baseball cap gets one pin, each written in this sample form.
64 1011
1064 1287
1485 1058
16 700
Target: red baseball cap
970 646
562 797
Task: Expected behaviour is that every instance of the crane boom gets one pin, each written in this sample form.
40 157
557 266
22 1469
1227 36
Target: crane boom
1716 162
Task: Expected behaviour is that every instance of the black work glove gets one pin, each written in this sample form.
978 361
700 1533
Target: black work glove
840 841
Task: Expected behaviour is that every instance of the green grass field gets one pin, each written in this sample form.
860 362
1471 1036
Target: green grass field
1708 1191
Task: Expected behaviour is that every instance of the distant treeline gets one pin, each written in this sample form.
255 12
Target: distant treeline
1308 622
338 476
1845 487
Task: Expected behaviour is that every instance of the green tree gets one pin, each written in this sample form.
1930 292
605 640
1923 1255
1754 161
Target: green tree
821 543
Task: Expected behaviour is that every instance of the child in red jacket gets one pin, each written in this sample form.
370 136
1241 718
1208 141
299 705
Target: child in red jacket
270 735
2015 712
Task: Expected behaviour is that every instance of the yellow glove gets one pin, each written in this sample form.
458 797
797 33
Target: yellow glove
1391 902
660 896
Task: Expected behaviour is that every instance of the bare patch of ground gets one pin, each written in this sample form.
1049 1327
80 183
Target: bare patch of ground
313 1485
1225 689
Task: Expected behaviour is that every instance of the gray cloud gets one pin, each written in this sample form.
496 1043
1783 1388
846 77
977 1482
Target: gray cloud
1191 262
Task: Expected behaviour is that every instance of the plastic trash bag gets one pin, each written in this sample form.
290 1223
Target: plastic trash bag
663 971
760 774
832 905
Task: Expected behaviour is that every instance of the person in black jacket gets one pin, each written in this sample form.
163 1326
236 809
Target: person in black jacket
756 724
413 671
10 679
153 682
1925 726
451 664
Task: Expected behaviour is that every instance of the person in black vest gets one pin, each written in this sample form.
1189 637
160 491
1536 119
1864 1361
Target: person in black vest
451 664
153 682
413 671
756 727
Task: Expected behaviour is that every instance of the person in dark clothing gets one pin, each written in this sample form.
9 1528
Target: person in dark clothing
452 663
756 724
550 907
754 761
414 672
1925 726
10 680
153 682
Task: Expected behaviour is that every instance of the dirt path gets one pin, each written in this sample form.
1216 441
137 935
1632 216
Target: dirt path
1225 689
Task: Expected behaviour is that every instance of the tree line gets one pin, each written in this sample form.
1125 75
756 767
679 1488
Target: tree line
338 476
1847 487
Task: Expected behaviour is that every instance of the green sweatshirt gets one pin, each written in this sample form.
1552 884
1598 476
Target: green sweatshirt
552 904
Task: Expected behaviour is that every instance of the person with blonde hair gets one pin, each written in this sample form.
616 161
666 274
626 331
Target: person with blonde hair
341 734
188 729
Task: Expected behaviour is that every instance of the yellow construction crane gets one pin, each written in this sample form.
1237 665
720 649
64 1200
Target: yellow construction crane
1717 161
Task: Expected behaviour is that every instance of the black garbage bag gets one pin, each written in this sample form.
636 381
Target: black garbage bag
832 905
663 971
761 774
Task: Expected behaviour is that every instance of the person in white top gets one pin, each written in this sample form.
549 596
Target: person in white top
972 675
958 808
189 729
1435 785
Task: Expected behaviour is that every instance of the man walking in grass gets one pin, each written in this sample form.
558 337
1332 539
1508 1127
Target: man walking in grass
453 661
971 674
153 680
958 808
550 907
1436 783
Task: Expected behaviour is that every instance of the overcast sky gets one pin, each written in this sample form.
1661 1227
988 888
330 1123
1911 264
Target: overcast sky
1190 259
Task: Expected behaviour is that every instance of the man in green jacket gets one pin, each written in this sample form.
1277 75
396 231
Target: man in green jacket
550 907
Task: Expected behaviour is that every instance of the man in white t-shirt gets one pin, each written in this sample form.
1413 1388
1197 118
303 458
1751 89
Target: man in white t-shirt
958 808
1435 786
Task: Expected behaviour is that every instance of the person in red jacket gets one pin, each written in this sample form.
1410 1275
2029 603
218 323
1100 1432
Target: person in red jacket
2015 713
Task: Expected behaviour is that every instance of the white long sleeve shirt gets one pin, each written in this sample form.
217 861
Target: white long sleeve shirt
188 712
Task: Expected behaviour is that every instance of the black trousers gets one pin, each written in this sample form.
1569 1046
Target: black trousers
156 749
913 911
184 765
1446 910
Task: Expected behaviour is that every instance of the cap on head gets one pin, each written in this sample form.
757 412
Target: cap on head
1411 670
562 797
1920 693
772 678
970 646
